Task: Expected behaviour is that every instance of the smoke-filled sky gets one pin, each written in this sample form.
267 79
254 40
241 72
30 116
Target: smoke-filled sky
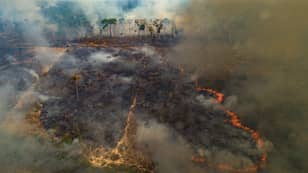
35 17
32 9
253 50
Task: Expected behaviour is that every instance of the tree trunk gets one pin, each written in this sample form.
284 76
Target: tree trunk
110 31
128 29
77 92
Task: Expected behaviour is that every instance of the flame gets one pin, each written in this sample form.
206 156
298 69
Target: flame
236 122
198 159
125 152
219 96
224 167
92 43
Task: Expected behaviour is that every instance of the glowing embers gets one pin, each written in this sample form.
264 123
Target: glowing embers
234 121
125 152
223 167
219 96
198 159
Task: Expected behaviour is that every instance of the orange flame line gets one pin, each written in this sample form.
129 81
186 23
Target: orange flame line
235 121
219 96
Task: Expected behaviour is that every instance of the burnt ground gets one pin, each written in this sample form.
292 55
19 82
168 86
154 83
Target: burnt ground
89 99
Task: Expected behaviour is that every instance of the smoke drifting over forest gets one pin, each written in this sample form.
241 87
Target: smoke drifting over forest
63 17
253 51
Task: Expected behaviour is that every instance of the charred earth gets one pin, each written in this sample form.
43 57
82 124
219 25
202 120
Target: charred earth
90 94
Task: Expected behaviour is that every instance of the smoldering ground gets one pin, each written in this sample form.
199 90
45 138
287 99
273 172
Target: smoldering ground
171 153
255 52
21 152
26 145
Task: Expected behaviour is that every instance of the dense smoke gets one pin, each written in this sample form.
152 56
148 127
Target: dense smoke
25 147
36 20
255 51
169 151
131 8
25 16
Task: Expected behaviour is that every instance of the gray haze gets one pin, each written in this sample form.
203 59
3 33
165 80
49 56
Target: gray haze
255 51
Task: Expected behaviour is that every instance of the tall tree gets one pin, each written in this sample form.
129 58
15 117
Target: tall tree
76 78
141 23
121 21
159 26
108 23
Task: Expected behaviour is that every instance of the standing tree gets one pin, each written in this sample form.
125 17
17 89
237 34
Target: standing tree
141 23
76 78
159 26
166 26
174 30
151 30
108 23
121 21
130 22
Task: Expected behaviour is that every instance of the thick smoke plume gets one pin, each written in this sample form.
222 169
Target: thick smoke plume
60 19
26 147
168 150
255 51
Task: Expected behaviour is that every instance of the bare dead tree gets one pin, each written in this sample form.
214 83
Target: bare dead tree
76 78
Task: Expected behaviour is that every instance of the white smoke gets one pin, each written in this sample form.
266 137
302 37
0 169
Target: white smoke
102 57
169 150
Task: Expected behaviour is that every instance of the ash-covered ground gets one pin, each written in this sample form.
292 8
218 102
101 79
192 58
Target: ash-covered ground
88 93
66 108
111 107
